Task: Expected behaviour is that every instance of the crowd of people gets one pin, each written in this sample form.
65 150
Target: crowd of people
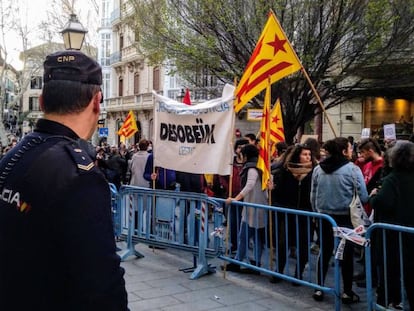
308 176
71 206
322 178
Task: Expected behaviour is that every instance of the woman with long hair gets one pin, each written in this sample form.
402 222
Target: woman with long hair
292 190
333 183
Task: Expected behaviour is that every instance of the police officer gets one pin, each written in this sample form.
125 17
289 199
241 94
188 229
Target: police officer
57 249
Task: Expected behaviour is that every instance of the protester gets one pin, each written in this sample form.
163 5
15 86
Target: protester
57 249
222 189
370 152
252 139
138 162
115 167
392 203
159 177
253 220
333 183
292 190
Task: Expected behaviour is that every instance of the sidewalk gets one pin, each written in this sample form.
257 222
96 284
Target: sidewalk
155 283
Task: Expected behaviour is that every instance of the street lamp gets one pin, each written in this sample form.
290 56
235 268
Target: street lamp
73 33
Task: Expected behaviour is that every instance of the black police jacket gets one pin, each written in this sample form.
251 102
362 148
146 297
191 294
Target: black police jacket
57 249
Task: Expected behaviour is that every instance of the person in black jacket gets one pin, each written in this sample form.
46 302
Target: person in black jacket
292 190
57 249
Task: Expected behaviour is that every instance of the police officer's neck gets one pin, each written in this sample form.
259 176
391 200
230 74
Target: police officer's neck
80 123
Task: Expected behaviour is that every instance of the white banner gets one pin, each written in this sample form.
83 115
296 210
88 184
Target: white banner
194 139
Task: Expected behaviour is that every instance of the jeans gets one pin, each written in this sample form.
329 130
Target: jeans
245 234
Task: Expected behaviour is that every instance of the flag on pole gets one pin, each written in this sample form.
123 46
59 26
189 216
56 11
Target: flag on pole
187 99
277 131
273 56
129 127
263 162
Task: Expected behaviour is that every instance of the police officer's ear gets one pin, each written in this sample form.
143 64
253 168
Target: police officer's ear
97 99
41 102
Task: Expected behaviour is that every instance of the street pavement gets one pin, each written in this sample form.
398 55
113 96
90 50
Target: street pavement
155 282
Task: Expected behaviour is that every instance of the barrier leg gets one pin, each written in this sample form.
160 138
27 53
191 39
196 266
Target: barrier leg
130 250
203 267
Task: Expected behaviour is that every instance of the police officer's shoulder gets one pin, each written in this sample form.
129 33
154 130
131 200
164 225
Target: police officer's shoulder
81 155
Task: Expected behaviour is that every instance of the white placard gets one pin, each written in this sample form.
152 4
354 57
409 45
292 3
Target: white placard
389 132
366 133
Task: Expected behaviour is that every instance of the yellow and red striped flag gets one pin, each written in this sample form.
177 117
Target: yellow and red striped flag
263 162
277 130
129 127
273 56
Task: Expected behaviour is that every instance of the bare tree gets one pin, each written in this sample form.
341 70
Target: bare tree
341 43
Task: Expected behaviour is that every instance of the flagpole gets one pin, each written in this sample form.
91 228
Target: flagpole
315 92
268 190
230 192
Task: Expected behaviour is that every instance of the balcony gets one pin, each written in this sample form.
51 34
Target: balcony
131 102
115 16
115 57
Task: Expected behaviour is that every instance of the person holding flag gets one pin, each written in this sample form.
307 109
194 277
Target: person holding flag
253 219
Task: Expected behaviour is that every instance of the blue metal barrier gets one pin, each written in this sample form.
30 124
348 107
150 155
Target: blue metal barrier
170 219
386 239
280 229
116 213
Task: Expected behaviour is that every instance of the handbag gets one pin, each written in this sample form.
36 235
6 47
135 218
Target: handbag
356 209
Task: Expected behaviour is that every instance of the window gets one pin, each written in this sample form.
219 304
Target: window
106 80
121 41
105 49
34 104
156 78
136 83
36 83
120 86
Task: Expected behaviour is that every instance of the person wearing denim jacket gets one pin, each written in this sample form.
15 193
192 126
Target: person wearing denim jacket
333 182
332 191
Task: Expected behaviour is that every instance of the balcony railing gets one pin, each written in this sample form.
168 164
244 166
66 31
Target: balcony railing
115 57
132 102
115 16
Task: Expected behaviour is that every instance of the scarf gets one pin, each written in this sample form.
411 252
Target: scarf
300 170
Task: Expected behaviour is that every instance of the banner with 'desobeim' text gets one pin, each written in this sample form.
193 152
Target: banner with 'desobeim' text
194 139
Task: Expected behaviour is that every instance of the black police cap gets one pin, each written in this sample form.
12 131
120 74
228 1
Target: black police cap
73 66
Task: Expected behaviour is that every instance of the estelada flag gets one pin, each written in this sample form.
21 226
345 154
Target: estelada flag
273 56
277 131
129 127
187 99
263 163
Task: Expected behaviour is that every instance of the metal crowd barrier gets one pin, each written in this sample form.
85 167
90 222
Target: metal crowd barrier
116 213
180 220
384 254
170 219
283 229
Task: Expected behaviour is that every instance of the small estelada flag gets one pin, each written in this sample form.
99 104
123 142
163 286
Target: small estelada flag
272 57
263 162
277 131
129 127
